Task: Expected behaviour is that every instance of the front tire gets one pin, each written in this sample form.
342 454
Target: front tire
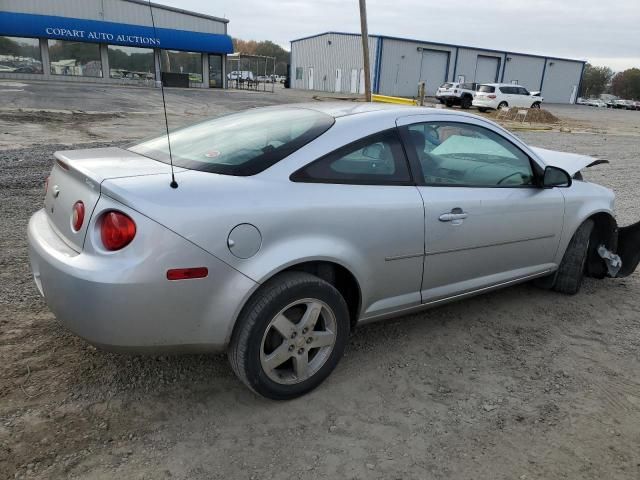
290 336
502 104
535 105
482 109
568 278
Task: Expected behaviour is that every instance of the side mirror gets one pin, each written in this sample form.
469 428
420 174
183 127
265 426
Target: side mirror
555 177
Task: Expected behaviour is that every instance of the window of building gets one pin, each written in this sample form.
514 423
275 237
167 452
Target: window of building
75 58
298 73
377 159
182 62
131 63
215 71
20 55
462 154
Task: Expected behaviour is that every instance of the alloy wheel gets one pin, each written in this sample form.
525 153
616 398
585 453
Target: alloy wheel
298 341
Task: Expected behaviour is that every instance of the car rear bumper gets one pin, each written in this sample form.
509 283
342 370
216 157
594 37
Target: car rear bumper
448 97
120 304
482 103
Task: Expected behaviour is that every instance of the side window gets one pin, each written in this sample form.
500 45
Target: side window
377 159
523 91
466 155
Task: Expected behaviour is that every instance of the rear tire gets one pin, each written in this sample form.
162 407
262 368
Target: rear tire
482 109
284 303
465 103
568 278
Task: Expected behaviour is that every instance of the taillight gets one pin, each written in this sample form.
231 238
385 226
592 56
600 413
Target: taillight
46 186
116 230
77 216
491 96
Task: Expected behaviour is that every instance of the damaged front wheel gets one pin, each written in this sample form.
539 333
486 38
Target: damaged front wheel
568 278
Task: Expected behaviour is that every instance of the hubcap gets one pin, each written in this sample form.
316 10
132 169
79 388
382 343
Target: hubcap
298 341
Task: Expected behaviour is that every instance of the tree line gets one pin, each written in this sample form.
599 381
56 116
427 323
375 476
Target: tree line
265 48
599 80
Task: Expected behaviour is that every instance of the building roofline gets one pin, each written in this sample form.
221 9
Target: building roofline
451 45
178 10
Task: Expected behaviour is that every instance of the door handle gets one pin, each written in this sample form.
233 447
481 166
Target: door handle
455 214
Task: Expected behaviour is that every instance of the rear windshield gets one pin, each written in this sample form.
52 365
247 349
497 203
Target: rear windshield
486 89
242 144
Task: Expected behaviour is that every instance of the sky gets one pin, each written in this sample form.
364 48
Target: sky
602 32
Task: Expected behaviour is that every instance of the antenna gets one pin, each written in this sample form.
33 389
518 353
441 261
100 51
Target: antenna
173 183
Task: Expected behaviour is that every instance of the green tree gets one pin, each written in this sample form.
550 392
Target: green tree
265 48
595 80
627 84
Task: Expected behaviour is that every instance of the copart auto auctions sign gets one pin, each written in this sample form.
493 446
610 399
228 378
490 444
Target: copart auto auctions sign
104 36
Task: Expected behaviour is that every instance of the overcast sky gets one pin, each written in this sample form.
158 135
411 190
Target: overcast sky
603 32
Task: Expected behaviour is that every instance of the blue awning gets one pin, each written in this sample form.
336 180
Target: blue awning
80 30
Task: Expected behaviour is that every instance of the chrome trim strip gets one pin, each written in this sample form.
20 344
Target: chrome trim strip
490 245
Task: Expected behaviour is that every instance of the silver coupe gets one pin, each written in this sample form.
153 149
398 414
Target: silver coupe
288 226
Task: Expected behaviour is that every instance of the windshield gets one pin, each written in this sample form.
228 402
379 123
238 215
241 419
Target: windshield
242 144
446 85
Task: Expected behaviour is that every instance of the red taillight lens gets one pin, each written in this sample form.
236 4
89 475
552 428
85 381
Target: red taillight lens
116 230
491 96
77 217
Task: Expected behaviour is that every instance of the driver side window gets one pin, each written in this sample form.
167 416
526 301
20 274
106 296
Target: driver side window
467 155
374 160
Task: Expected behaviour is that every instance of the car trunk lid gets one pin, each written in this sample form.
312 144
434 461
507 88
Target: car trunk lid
77 176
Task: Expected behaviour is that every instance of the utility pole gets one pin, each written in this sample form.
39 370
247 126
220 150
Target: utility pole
365 49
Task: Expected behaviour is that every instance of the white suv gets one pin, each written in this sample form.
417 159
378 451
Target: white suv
497 95
454 93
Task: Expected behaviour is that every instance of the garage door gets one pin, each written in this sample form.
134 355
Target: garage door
434 69
487 69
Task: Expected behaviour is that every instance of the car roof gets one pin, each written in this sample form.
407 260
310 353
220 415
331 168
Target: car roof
343 108
339 109
501 84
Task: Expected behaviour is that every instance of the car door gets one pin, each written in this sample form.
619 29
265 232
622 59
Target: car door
486 221
505 95
372 214
523 97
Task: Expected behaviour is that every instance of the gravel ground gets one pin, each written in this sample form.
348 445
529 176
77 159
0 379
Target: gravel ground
517 384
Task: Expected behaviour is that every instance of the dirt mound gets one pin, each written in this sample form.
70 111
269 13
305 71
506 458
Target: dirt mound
534 115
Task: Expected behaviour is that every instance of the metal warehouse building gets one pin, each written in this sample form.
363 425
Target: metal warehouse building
111 41
332 62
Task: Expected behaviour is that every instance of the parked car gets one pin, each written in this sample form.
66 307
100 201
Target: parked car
621 104
498 95
289 226
595 102
264 79
240 75
581 101
454 93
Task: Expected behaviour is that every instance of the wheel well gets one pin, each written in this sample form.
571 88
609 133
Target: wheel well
605 232
338 276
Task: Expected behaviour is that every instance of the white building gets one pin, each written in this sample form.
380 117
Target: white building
332 62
